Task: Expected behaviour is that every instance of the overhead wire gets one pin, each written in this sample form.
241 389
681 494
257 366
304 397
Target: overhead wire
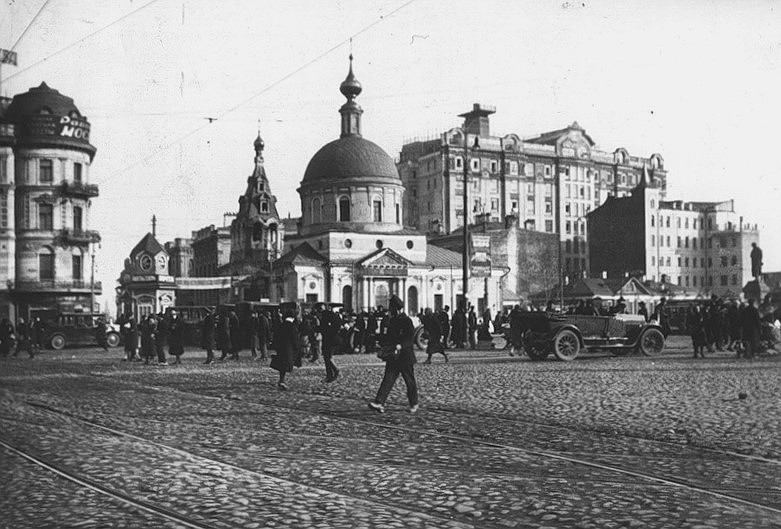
235 107
72 44
26 29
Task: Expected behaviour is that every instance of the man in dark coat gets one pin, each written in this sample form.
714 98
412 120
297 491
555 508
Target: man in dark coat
662 316
434 331
208 331
285 347
148 328
400 336
24 339
101 334
516 331
642 310
6 336
752 328
695 322
264 334
176 337
472 326
252 332
161 338
224 335
235 334
444 324
330 324
131 338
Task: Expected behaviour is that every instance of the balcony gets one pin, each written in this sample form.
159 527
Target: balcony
79 189
77 237
51 285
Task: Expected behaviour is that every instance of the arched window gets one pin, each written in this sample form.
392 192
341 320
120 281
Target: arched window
344 209
317 214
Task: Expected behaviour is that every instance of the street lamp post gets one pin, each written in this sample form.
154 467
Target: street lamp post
465 255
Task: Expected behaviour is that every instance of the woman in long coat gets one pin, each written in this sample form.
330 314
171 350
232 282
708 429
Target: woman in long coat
286 347
148 327
176 337
131 339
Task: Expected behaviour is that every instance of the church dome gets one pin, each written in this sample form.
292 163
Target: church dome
351 158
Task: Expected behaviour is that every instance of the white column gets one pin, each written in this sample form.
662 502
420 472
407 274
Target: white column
370 285
365 295
403 293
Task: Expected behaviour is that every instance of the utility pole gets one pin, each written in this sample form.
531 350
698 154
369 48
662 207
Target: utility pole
92 279
465 254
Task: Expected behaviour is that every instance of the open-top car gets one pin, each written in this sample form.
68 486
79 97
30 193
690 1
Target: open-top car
566 335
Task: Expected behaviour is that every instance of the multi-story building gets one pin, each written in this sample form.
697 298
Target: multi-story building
211 249
550 182
46 246
702 245
180 253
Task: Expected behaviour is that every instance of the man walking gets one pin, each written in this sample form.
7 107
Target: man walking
330 324
434 331
472 326
444 324
208 328
401 362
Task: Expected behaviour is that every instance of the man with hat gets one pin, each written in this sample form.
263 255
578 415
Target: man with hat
330 323
399 337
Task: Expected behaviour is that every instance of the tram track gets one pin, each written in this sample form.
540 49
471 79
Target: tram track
94 486
171 515
669 481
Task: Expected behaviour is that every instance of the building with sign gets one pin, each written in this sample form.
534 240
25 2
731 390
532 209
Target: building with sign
352 245
550 182
705 246
46 244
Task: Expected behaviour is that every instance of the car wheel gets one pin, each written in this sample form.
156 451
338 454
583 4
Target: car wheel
566 345
112 339
538 354
651 342
58 342
421 338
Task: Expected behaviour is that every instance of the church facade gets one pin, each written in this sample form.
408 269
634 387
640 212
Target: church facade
351 245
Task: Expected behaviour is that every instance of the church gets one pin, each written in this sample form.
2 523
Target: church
350 245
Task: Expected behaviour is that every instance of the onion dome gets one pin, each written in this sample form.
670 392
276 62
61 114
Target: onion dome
350 87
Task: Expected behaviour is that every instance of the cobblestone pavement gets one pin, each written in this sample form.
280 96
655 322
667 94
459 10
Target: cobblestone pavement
499 442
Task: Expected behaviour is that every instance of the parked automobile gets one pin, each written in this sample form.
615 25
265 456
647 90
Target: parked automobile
61 329
566 335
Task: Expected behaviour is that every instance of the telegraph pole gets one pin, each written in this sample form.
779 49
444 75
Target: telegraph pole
465 254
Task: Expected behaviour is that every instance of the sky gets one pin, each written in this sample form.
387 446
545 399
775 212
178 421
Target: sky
697 81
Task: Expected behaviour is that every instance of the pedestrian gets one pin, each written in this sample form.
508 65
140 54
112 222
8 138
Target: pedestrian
148 328
472 326
285 347
434 331
264 334
208 330
642 310
399 356
252 333
459 330
235 334
444 324
161 337
130 329
330 325
101 334
695 322
176 337
6 337
751 328
516 330
24 341
620 307
304 337
733 326
370 337
224 334
662 316
38 332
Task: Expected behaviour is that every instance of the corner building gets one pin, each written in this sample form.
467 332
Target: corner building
352 245
45 202
549 182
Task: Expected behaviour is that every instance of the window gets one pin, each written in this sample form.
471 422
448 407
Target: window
724 261
686 242
652 203
687 281
46 265
686 262
77 219
459 163
679 240
3 210
547 171
679 280
264 207
694 281
3 169
567 208
668 241
398 214
694 242
548 190
653 260
548 207
694 262
568 246
493 166
47 172
710 262
694 226
317 212
723 280
494 204
732 240
513 168
734 260
377 211
344 209
77 269
679 262
652 221
568 227
77 172
653 240
710 281
475 164
514 205
549 226
734 279
668 261
45 217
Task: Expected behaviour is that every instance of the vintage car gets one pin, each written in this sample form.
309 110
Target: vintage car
62 329
566 335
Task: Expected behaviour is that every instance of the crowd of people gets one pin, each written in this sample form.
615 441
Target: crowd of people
25 336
